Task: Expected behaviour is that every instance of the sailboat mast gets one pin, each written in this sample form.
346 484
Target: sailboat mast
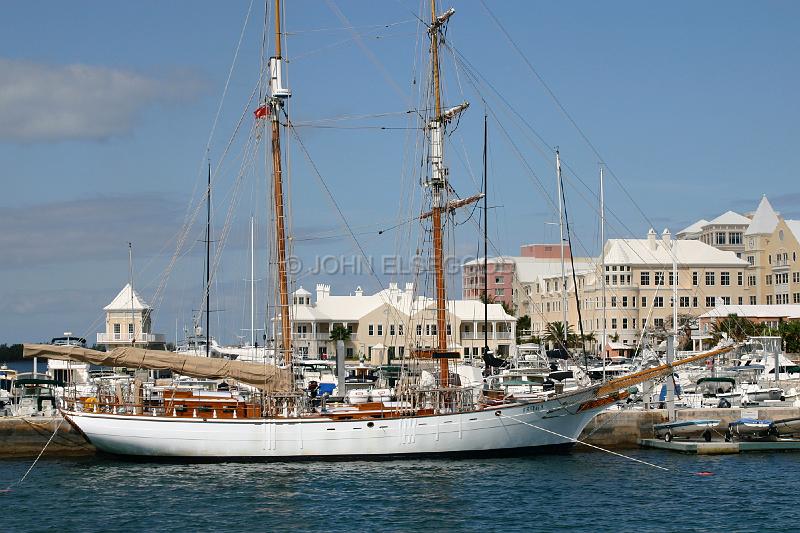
130 278
603 265
278 95
252 283
208 262
485 244
561 232
438 187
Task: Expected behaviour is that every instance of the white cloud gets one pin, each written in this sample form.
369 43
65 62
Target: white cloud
41 102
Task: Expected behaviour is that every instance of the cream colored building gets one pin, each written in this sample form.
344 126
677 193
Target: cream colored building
128 322
386 324
639 287
770 244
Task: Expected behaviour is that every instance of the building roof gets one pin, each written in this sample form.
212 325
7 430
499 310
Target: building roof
730 218
697 227
530 269
301 292
124 301
654 251
469 310
755 311
764 220
794 226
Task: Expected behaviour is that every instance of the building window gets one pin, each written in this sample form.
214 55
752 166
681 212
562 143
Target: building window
117 329
644 278
624 301
684 301
724 278
391 330
751 259
709 301
624 323
419 330
400 329
740 278
795 277
752 300
380 329
349 352
499 292
672 280
659 278
726 300
658 301
694 301
658 322
695 281
498 280
735 237
644 301
130 328
710 278
613 301
769 279
371 329
449 330
769 299
613 323
719 238
796 298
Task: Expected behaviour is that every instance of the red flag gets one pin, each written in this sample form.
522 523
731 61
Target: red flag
261 112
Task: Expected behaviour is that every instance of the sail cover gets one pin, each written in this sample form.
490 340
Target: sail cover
268 378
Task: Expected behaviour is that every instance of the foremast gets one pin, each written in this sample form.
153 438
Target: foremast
278 95
438 185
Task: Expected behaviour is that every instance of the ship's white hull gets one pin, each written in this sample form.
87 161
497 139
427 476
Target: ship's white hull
498 430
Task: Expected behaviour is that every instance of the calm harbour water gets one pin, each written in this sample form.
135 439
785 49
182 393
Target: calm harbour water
581 491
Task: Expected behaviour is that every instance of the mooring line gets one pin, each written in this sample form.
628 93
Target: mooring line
501 415
37 457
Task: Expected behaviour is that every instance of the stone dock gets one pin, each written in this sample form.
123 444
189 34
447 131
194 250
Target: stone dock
624 429
26 436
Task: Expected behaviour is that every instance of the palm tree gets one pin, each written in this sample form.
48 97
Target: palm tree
554 332
340 333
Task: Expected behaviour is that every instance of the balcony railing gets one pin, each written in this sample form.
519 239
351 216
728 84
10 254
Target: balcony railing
122 338
477 335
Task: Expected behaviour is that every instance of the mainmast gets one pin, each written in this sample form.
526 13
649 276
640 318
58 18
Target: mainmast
438 186
275 104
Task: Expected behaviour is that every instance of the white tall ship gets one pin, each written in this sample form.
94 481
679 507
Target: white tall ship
270 417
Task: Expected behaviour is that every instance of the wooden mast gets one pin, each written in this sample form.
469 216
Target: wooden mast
277 96
439 190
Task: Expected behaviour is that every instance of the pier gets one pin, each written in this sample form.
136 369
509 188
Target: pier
26 436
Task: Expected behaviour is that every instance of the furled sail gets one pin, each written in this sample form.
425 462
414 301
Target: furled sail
268 378
657 372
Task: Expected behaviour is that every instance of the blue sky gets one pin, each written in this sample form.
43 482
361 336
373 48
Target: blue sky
106 109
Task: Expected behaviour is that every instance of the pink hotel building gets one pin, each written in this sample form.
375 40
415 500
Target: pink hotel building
502 270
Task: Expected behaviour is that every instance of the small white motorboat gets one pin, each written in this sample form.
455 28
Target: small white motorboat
686 428
750 428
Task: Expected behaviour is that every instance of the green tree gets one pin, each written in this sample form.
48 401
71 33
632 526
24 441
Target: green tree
554 332
10 353
790 332
734 327
523 324
340 333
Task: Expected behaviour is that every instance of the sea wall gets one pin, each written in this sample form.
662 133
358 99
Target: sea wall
26 436
624 429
